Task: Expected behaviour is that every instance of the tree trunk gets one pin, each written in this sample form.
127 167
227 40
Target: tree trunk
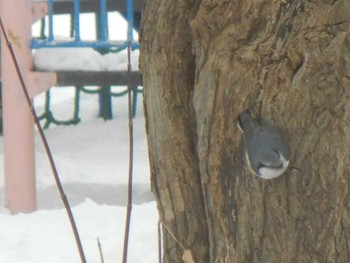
203 62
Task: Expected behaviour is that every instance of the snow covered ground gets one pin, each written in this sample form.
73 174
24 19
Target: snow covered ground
92 160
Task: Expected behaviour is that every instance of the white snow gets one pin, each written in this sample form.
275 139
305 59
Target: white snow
51 59
92 160
87 59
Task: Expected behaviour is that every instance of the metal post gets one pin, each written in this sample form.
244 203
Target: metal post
19 167
129 17
19 160
51 34
102 25
76 21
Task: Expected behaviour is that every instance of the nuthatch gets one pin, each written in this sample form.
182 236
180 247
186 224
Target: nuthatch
267 153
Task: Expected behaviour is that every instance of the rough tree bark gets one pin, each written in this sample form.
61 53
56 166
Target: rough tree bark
203 62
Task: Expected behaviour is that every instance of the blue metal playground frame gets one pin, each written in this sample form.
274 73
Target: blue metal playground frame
102 41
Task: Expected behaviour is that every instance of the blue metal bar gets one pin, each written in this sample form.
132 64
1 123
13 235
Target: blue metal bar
103 21
51 37
76 20
119 45
129 17
102 42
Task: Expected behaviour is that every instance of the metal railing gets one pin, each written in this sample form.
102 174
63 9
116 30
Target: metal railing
130 9
99 7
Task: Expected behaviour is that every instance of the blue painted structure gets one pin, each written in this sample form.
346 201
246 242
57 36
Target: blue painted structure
101 43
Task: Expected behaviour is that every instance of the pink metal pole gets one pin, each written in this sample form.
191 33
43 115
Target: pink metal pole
19 160
20 194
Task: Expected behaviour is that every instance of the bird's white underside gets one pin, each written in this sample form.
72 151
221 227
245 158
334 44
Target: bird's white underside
269 173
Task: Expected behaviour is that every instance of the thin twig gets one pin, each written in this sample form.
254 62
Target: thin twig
187 256
159 243
46 145
131 156
173 235
100 250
